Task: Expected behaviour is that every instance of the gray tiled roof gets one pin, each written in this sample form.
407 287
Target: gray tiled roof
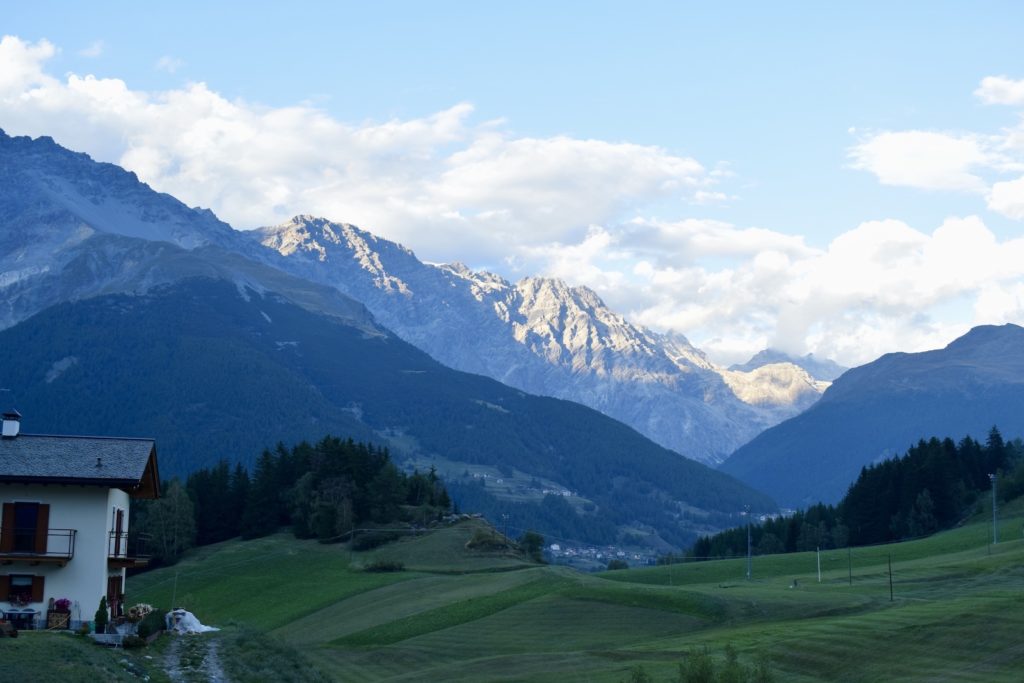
41 457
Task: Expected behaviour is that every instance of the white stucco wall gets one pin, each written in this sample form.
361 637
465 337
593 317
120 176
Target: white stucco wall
89 510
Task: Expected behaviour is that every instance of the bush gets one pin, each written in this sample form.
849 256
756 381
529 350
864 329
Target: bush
101 616
373 539
151 623
532 544
487 539
130 642
698 667
617 564
385 566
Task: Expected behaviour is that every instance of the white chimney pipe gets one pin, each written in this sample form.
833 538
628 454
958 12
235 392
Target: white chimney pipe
12 424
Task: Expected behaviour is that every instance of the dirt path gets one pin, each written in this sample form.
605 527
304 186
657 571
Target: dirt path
194 659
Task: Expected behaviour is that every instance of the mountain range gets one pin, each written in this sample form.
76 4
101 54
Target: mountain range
127 312
879 410
81 235
543 336
538 335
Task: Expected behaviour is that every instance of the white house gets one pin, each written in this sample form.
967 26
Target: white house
65 520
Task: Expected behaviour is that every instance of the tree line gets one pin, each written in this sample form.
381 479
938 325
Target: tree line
323 490
930 488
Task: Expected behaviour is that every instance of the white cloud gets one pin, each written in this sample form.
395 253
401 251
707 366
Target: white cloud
923 159
94 49
455 189
880 287
477 189
1000 90
972 162
22 64
169 64
1007 198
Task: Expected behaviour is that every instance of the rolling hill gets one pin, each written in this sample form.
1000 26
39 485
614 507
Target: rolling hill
954 613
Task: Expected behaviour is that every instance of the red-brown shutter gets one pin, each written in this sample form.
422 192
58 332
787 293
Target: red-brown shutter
5 587
42 528
37 589
7 529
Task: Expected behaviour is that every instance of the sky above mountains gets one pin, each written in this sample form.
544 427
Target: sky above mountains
847 181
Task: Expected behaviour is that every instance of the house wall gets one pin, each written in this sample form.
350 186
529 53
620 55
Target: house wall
118 499
89 511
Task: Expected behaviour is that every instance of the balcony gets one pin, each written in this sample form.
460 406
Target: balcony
123 551
37 546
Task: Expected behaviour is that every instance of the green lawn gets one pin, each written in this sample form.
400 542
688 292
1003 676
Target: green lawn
461 615
62 657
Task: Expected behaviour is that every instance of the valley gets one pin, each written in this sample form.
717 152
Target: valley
455 614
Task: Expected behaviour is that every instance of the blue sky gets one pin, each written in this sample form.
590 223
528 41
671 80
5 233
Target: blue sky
785 107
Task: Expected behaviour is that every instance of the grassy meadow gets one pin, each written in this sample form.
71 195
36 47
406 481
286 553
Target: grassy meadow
454 614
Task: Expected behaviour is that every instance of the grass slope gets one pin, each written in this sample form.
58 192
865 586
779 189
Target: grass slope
956 613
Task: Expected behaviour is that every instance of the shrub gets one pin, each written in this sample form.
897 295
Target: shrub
101 616
372 539
617 564
129 642
385 566
151 623
698 667
487 539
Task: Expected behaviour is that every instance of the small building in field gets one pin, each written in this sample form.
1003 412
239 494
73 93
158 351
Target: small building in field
64 530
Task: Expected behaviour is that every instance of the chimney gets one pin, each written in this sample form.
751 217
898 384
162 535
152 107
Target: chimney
12 424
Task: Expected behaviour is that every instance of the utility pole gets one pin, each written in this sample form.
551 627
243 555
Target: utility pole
995 514
849 562
504 517
890 578
749 545
819 564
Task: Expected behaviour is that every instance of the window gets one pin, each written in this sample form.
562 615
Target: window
26 518
25 528
21 589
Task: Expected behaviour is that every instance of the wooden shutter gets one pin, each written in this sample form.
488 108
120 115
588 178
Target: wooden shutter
5 587
7 530
42 528
37 589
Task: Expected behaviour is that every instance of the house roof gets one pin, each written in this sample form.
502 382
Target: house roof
128 464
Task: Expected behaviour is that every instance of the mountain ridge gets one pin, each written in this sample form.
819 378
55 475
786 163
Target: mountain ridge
545 337
880 409
214 370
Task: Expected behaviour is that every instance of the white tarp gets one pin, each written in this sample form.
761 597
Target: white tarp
183 621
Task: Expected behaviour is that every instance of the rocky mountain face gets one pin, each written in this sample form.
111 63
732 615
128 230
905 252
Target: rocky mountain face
213 370
75 228
545 337
880 409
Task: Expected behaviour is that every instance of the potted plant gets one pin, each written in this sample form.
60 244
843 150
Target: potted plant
135 614
59 614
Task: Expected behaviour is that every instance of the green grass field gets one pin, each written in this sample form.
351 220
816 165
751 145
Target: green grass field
957 612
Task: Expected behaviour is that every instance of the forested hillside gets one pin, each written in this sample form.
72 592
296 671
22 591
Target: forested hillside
215 370
932 487
323 490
